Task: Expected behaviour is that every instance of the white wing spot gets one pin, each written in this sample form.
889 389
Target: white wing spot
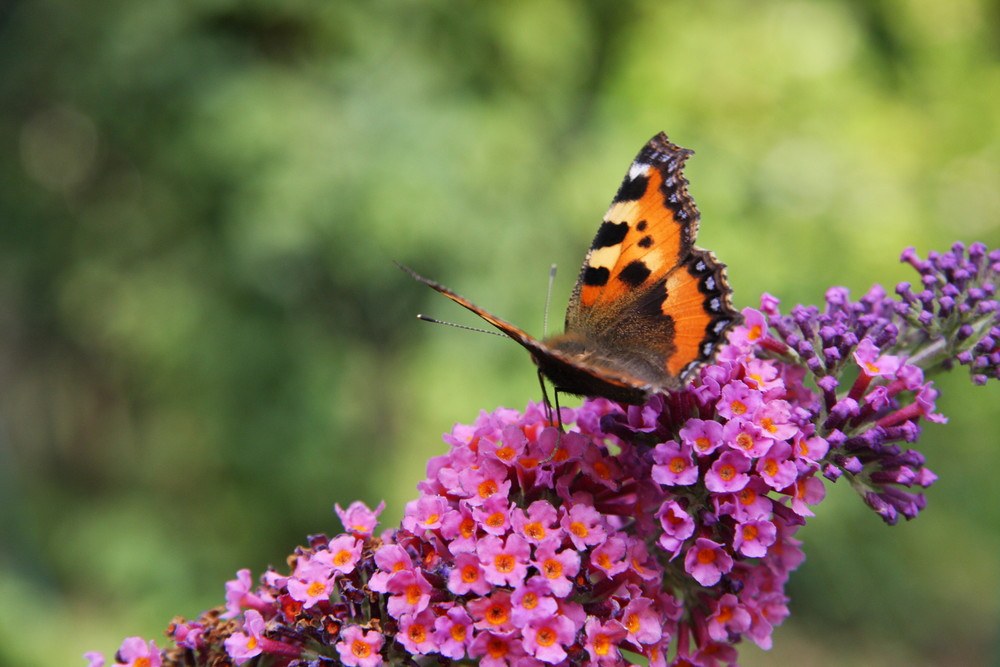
637 169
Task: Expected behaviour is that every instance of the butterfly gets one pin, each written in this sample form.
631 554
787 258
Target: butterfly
649 306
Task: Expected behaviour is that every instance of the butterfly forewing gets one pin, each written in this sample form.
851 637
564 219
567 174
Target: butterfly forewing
644 287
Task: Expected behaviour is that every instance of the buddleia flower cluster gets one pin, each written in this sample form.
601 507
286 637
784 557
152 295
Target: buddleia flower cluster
662 533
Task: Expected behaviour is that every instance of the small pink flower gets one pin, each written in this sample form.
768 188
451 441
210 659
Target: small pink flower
358 519
728 473
137 653
805 492
235 590
391 558
360 649
493 516
538 524
750 502
485 481
467 576
416 633
453 632
762 374
746 437
557 568
583 526
866 355
677 526
241 646
773 419
674 465
702 436
610 557
189 635
642 622
752 538
729 617
547 638
776 467
94 658
602 641
532 600
738 401
496 649
505 563
492 613
811 449
313 583
601 467
341 555
460 527
707 561
424 513
410 593
753 329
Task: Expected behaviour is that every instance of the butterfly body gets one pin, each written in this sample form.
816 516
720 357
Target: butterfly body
649 306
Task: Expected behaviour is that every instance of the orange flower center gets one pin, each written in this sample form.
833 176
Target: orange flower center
496 647
417 632
546 637
487 488
360 648
497 614
504 563
535 531
632 623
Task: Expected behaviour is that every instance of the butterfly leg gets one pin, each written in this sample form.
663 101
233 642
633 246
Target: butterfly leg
552 417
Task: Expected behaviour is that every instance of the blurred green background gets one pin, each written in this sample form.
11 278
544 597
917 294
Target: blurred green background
204 343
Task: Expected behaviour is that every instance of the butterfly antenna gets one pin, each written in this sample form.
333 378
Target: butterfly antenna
425 318
548 301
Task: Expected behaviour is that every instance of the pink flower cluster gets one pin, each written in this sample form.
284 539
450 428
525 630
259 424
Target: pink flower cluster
664 531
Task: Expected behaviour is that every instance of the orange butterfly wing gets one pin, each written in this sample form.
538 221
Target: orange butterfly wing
649 304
